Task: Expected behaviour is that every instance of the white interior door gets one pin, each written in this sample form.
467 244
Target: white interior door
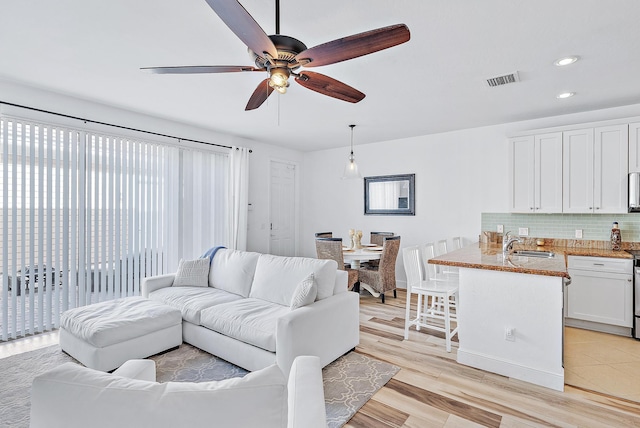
282 209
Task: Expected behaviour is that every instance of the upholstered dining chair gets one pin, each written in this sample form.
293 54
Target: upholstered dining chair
331 248
382 279
377 238
324 235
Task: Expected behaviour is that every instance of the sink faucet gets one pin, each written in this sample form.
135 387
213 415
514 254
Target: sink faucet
507 243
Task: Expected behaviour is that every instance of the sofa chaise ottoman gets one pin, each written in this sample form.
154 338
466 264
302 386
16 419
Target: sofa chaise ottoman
104 335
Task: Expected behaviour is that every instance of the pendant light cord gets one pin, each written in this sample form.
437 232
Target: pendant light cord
352 126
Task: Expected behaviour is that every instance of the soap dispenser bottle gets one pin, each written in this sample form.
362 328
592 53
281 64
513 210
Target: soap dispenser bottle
616 237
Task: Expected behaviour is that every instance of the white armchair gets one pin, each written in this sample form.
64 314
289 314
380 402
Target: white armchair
72 396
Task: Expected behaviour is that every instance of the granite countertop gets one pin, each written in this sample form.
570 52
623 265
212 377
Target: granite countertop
489 257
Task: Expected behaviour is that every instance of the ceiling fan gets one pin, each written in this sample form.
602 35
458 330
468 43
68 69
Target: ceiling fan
281 56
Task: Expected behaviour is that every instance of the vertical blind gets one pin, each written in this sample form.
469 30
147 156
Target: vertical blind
84 217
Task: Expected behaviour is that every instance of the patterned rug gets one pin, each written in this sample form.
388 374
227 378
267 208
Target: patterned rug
349 382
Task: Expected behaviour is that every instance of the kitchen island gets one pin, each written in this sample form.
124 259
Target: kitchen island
510 313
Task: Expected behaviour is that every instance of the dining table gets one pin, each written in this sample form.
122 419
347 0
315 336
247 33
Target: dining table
367 253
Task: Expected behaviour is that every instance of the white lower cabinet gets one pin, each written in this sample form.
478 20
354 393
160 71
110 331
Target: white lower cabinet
601 291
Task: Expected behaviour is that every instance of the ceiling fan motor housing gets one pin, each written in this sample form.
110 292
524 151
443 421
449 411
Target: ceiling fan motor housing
287 47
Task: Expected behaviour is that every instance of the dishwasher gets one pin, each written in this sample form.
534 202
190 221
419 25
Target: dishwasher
601 294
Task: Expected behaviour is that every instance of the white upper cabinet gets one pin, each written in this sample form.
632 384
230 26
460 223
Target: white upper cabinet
521 167
634 147
595 169
536 173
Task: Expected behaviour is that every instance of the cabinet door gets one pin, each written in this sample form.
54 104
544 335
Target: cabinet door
577 171
521 168
634 147
600 297
548 173
611 165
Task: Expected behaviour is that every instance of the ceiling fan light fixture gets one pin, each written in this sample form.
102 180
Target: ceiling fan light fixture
351 168
279 77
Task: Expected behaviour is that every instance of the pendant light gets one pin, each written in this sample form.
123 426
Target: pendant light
351 168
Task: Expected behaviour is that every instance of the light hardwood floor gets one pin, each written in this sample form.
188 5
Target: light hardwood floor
433 390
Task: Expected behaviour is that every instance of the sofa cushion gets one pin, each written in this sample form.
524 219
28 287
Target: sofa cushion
192 300
277 277
233 271
249 320
73 396
114 321
194 273
305 293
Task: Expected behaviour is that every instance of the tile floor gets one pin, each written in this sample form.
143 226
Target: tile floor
602 362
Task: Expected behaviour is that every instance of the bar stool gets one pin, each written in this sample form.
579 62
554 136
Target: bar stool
443 295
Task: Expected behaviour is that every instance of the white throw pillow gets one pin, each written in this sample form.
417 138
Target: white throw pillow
193 273
305 293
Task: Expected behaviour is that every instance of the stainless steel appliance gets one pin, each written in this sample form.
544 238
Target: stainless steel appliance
634 192
636 292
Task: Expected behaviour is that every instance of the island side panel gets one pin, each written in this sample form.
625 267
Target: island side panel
490 301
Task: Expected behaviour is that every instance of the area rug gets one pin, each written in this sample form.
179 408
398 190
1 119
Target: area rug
349 382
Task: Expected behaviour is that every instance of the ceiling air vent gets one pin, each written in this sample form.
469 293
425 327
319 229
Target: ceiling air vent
504 79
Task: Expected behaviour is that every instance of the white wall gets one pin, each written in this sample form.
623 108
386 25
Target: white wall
459 175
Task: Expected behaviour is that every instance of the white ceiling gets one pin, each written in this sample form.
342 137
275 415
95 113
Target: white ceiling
433 83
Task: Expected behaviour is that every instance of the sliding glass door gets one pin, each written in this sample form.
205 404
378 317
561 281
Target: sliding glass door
84 217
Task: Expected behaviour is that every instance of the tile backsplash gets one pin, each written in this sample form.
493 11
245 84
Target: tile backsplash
593 226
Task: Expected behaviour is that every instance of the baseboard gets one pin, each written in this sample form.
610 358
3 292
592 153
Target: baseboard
596 326
516 371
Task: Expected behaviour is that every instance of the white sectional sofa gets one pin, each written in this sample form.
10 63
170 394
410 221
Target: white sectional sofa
244 314
73 396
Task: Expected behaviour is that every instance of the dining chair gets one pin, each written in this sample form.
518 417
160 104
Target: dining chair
382 278
324 235
443 296
331 249
377 238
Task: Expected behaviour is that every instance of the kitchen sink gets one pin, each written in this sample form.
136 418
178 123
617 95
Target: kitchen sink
534 253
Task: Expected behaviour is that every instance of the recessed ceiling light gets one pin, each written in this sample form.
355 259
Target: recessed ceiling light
561 62
565 95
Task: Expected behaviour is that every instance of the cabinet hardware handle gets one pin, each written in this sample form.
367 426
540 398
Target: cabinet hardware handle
531 208
590 208
597 208
598 264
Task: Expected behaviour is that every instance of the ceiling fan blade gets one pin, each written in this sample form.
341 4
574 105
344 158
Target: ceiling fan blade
326 85
260 95
244 26
196 69
354 46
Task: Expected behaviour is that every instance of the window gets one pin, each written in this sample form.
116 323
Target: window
84 217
